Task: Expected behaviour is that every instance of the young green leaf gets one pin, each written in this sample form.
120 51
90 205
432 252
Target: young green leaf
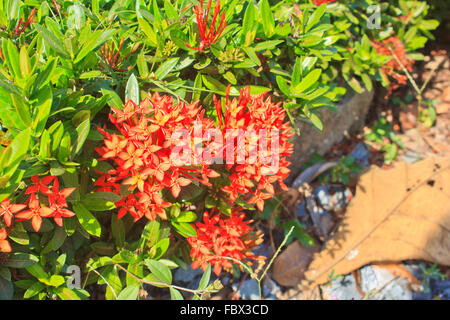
132 89
268 21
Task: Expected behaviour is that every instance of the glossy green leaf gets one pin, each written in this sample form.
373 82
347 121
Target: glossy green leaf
132 90
87 219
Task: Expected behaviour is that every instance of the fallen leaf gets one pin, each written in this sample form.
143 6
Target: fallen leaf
289 267
397 214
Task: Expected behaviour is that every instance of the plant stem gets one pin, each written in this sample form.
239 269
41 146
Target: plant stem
259 279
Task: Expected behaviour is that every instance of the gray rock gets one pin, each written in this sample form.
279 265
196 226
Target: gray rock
189 276
349 118
323 196
361 155
379 284
270 289
301 210
341 289
248 291
332 198
320 218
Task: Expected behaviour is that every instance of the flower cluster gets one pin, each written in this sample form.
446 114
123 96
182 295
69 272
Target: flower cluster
45 201
142 152
253 180
111 55
211 36
393 69
23 25
220 238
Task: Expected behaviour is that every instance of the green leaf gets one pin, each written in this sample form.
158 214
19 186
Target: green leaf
113 98
57 280
19 235
142 65
34 290
170 11
308 81
252 55
315 17
148 30
283 85
12 59
37 271
296 73
82 131
114 285
52 41
248 23
13 9
59 236
150 234
46 74
160 270
268 21
355 85
71 294
185 229
76 18
64 148
160 248
22 109
165 68
100 201
267 45
43 106
186 216
316 121
11 157
129 293
118 230
87 220
95 41
25 65
204 281
175 294
132 90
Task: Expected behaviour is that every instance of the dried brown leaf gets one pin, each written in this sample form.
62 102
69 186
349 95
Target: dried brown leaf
289 267
397 214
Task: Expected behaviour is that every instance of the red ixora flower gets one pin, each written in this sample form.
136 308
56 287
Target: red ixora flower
208 37
253 181
393 69
7 210
4 244
320 2
220 238
40 192
141 154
